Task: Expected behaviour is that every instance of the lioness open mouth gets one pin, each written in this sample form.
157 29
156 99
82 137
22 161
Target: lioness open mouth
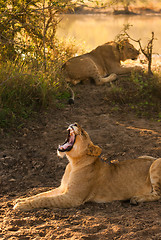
68 144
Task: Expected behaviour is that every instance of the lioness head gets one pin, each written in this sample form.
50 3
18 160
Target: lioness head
78 143
127 50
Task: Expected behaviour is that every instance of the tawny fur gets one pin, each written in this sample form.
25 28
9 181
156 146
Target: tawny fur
101 64
88 178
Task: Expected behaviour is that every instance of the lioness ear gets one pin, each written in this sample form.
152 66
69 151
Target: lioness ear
93 150
121 44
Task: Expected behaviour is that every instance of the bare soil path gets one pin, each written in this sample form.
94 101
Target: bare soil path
29 165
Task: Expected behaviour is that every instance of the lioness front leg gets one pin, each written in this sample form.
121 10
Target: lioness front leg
20 203
127 70
63 200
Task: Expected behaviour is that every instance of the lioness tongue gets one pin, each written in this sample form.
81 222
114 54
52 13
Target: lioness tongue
65 146
69 143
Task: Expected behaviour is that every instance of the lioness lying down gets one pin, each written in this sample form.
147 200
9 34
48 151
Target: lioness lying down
88 178
101 64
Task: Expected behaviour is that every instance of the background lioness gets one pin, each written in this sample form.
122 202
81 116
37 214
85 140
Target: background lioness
87 178
101 64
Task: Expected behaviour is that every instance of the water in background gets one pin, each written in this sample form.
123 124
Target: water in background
94 30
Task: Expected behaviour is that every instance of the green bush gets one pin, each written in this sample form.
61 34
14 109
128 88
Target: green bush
138 93
25 88
22 92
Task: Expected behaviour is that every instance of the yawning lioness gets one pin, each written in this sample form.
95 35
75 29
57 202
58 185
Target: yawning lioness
88 178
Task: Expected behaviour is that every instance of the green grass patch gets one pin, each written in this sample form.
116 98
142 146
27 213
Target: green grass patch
138 93
23 92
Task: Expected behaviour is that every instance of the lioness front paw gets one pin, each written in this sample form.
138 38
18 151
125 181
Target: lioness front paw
22 206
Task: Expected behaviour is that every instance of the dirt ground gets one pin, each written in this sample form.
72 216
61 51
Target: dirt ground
29 165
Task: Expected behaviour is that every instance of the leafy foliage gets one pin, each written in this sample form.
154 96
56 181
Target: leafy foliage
31 57
125 3
28 27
